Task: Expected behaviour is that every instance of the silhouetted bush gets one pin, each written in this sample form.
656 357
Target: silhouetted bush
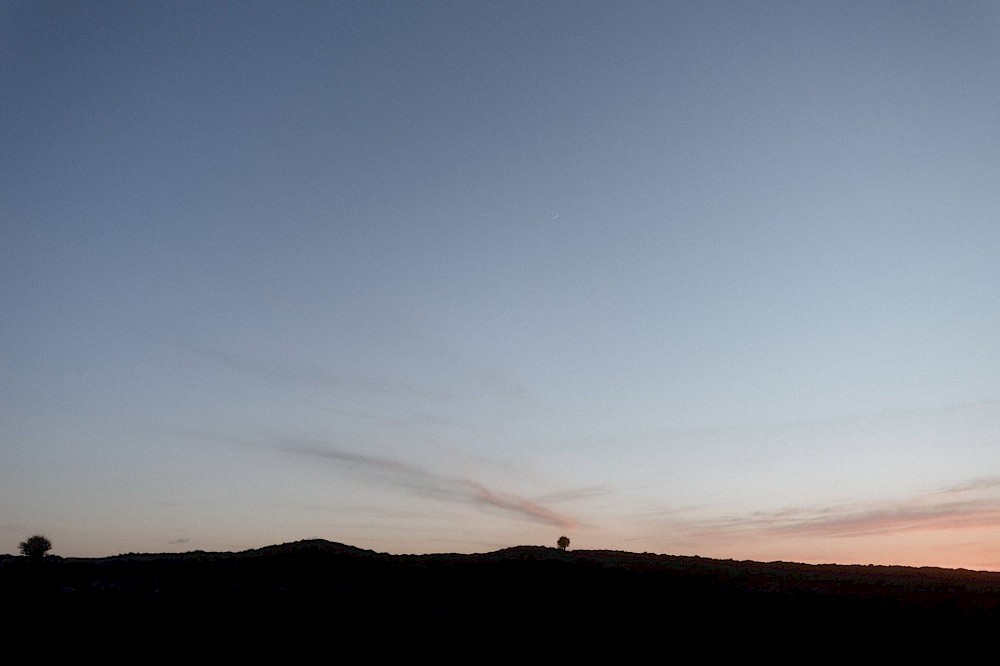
35 547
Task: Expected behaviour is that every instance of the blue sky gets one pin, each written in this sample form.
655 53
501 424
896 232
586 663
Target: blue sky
709 278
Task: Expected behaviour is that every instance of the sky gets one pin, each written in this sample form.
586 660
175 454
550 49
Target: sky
697 278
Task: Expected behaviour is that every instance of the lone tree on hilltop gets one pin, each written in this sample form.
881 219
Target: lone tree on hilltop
563 543
35 547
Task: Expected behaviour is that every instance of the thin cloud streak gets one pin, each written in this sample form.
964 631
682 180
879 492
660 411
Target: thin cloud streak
443 487
977 507
523 506
960 515
576 494
311 375
977 484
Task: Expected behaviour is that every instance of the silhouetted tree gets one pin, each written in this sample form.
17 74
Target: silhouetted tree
563 543
35 547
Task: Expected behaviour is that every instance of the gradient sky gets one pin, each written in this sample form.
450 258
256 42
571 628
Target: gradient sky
714 278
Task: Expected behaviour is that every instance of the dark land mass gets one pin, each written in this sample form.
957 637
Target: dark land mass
315 587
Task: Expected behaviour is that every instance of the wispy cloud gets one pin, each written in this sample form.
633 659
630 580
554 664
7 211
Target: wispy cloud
310 374
971 505
521 505
441 486
989 483
575 494
958 515
383 397
177 542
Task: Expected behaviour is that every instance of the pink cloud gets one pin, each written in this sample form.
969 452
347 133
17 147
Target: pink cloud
973 505
439 486
523 506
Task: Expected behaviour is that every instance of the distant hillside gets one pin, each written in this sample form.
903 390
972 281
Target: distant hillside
321 583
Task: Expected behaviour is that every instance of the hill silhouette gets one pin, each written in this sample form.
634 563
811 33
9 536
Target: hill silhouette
526 589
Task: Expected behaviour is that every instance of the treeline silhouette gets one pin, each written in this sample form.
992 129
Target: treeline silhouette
533 590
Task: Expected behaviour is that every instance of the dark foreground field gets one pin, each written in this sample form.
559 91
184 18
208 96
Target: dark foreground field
318 588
